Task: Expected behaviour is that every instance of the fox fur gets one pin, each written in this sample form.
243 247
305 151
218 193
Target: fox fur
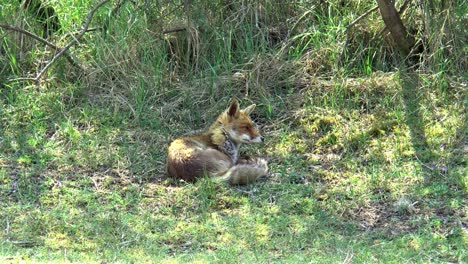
215 153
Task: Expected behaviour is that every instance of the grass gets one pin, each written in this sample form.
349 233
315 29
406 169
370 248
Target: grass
367 164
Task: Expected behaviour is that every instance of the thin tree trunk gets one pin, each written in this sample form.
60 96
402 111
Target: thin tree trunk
393 22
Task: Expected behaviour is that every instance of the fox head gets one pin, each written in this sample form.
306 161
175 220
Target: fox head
237 124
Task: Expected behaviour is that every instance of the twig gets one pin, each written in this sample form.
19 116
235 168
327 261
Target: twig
361 17
7 229
174 30
43 41
77 32
32 35
23 79
75 40
171 11
300 19
429 167
350 26
349 258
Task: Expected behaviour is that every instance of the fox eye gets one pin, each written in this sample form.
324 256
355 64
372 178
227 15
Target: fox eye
245 126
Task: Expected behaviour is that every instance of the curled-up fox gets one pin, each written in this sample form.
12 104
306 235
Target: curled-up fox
215 152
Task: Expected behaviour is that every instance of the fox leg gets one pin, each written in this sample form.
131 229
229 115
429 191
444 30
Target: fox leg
245 171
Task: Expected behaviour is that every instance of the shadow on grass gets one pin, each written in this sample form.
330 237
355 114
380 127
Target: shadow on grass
23 166
414 119
429 159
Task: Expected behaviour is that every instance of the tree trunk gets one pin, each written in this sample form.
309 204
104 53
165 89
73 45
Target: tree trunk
393 22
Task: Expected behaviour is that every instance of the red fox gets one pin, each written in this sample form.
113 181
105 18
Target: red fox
215 153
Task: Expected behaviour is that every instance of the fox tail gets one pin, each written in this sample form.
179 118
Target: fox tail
245 172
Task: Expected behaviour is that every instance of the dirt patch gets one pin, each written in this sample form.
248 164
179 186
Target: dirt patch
384 217
400 217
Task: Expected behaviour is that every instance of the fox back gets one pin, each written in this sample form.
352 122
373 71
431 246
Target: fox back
215 152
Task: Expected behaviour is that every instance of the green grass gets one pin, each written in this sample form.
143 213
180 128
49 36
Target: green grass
367 164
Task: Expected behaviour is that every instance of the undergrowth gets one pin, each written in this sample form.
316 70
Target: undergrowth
367 158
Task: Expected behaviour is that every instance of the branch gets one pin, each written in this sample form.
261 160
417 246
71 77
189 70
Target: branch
73 42
44 41
368 12
174 30
362 16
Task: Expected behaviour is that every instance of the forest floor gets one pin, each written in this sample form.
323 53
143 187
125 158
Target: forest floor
361 170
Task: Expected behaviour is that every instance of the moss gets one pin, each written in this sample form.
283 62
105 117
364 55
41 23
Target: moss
328 140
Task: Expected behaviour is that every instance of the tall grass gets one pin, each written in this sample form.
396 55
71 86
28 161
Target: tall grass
214 39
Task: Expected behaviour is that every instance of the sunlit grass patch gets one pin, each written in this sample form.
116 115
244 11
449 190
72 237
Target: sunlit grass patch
338 168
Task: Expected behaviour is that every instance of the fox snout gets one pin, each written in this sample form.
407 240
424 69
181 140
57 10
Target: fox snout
247 138
258 139
244 138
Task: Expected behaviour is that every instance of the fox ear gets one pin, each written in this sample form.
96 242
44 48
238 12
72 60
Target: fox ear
249 109
233 110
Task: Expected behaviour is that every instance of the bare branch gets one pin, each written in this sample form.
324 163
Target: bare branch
43 41
174 30
368 12
348 37
73 42
32 35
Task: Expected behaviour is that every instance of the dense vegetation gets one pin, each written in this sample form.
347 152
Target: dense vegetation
367 149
